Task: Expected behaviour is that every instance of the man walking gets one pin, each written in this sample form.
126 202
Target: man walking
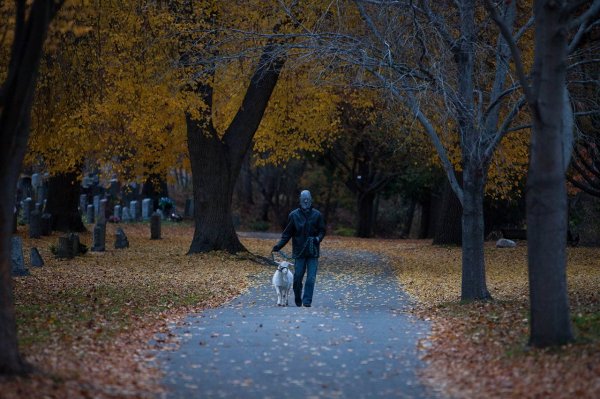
306 228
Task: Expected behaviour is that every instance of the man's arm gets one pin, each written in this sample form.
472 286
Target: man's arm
287 234
320 228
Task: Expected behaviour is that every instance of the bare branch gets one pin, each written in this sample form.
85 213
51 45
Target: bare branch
516 53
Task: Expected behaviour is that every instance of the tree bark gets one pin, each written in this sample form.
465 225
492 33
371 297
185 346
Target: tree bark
16 97
365 202
546 188
448 229
473 262
63 200
216 161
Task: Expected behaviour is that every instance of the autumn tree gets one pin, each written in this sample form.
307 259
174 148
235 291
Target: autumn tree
218 144
31 22
109 101
559 27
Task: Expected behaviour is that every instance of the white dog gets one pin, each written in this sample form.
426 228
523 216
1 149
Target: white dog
283 280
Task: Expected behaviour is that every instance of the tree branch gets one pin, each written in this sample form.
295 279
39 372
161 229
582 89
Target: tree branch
516 53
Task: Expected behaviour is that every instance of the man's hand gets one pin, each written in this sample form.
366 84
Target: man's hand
276 248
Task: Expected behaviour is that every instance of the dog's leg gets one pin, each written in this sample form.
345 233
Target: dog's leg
278 296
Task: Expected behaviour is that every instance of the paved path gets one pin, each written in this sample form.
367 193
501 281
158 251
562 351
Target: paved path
357 341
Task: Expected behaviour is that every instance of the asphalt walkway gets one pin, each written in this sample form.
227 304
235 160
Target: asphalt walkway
356 341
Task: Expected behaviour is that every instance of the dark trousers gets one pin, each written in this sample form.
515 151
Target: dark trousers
308 266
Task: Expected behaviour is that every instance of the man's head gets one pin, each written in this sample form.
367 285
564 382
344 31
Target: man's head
305 199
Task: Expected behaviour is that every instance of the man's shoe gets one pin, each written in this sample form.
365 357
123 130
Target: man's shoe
298 304
307 305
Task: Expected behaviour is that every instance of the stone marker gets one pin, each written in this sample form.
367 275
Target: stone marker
65 248
189 208
505 243
83 204
102 211
138 210
146 208
155 226
74 239
38 208
96 204
36 180
35 225
16 258
27 208
117 212
115 188
36 258
126 216
160 212
46 224
90 214
133 210
99 238
121 240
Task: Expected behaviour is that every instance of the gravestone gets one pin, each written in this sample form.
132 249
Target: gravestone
155 226
99 238
90 214
96 205
117 212
36 184
27 208
36 180
505 243
65 248
126 216
146 208
35 225
82 203
102 211
160 212
38 208
16 258
189 208
74 239
133 210
115 188
121 240
46 224
138 210
36 258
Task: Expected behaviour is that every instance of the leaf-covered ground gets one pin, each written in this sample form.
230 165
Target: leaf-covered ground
85 323
480 349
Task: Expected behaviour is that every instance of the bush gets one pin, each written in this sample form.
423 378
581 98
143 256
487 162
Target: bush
259 225
345 232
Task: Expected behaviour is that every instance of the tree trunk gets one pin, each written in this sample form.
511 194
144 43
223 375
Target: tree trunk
546 188
63 201
213 186
473 263
448 230
216 161
16 97
365 214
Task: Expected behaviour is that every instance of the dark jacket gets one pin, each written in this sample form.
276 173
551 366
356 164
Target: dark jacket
302 227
